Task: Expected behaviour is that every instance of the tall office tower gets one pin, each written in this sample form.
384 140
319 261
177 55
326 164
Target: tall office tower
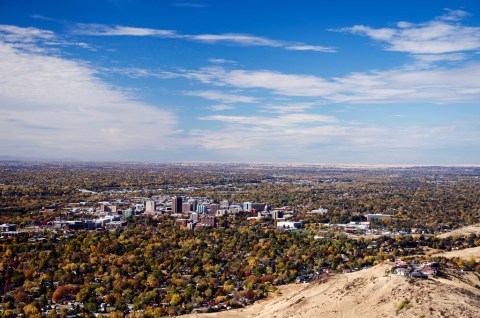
214 207
202 208
193 204
185 207
150 206
176 205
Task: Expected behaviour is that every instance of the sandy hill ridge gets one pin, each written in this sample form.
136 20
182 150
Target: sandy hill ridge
370 293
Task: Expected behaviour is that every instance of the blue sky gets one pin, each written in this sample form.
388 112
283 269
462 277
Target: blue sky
241 81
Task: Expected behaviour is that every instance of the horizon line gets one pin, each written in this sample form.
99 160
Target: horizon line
279 164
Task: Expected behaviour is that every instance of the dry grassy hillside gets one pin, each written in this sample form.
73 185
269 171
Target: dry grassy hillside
471 229
371 293
467 253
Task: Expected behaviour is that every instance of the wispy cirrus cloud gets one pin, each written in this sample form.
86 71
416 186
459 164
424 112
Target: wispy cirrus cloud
220 107
429 58
137 72
443 39
440 36
34 39
392 86
227 38
286 120
222 97
289 107
253 40
400 85
221 61
241 39
15 34
304 47
453 15
118 30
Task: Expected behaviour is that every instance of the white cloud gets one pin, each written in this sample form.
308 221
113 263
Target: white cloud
11 33
222 97
118 30
229 38
136 72
303 47
57 108
439 36
458 84
279 83
287 120
453 15
242 39
289 108
221 61
220 107
252 139
421 81
429 58
35 40
62 108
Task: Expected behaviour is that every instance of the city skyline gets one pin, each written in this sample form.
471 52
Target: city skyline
268 81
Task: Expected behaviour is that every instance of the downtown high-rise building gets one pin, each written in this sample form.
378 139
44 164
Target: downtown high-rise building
202 208
176 204
193 204
214 207
185 207
150 206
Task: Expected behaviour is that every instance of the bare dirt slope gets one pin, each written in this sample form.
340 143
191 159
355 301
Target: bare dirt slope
475 229
370 294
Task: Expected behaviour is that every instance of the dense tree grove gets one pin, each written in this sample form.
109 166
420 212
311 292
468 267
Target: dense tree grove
173 271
